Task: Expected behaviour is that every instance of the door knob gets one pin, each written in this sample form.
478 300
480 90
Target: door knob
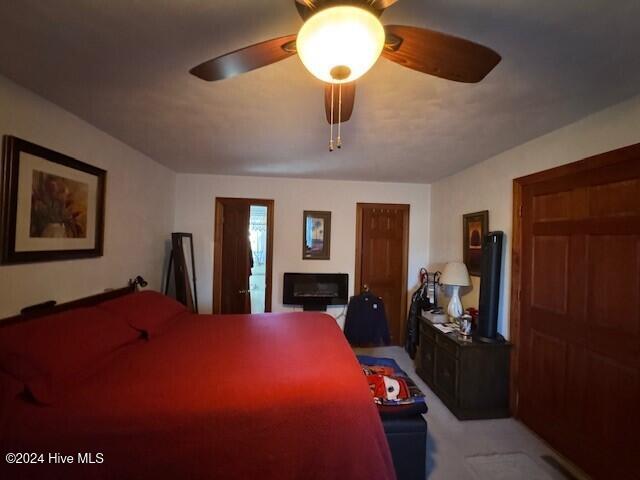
243 292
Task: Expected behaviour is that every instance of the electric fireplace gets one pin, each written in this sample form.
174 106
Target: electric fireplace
314 291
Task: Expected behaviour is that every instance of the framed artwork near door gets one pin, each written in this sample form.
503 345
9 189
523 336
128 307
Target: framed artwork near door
52 205
316 235
474 227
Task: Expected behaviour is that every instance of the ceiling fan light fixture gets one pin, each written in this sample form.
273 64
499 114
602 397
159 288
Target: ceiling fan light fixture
340 39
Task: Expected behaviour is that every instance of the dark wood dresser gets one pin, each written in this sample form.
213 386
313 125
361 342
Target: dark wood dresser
470 377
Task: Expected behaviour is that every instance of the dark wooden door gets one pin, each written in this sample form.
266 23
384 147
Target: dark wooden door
381 259
236 258
579 339
232 255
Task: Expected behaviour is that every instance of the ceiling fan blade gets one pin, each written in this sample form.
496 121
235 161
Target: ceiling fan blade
382 4
306 8
438 54
246 59
348 97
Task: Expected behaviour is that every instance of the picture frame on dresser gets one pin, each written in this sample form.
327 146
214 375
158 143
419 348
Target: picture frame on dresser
53 205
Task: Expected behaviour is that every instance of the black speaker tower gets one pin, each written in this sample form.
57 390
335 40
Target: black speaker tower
487 330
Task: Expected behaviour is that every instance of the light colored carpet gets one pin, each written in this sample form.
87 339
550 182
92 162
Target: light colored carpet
506 466
451 443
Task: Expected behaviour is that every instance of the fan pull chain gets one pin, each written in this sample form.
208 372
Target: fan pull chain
331 137
339 142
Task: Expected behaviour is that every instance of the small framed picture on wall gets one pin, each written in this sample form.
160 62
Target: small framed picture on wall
474 227
52 205
316 235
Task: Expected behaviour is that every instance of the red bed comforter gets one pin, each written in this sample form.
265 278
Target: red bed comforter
274 396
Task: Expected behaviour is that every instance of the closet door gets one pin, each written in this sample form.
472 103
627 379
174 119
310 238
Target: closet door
579 340
381 260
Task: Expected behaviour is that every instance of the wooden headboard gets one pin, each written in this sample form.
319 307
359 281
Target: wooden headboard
81 302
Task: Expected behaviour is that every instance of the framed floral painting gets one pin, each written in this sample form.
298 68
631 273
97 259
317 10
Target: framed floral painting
52 205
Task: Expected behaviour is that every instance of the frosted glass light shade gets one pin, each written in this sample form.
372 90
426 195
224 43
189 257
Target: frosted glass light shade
455 273
342 36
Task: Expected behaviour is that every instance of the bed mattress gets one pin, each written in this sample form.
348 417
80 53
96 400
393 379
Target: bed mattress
235 397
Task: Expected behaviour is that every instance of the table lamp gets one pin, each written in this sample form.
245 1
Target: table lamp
456 275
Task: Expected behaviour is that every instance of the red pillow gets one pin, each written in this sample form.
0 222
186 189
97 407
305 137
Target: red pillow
148 311
51 353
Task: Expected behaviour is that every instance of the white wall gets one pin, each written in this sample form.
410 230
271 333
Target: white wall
489 185
195 198
139 206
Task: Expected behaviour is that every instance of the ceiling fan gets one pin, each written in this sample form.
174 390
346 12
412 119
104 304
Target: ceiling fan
341 40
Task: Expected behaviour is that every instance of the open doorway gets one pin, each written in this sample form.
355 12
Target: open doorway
243 247
258 239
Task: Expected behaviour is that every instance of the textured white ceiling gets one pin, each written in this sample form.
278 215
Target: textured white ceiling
122 65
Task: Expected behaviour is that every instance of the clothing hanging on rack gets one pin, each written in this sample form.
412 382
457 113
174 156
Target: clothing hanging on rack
366 321
424 298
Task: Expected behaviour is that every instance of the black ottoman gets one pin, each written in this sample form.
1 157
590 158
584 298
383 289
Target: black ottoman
407 437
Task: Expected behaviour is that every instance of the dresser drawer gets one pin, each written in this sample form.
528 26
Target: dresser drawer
448 345
446 373
426 357
427 331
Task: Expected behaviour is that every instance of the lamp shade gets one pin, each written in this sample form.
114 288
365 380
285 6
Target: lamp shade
455 273
340 44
